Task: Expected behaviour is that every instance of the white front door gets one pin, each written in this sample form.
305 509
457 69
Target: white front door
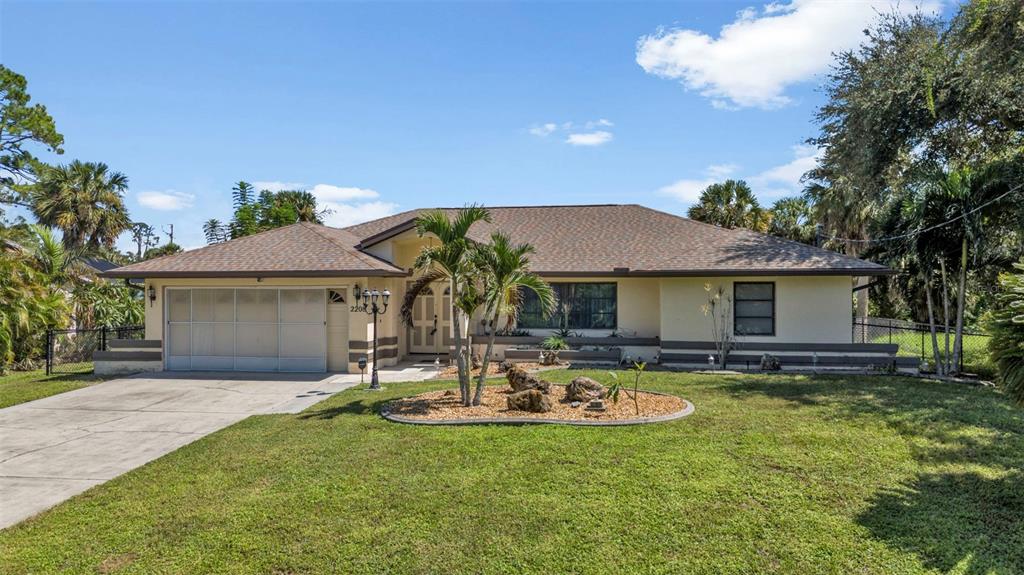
431 320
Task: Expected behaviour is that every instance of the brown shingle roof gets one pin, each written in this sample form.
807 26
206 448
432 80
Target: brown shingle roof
302 249
569 240
609 239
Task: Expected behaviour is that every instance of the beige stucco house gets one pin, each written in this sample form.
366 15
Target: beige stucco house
632 278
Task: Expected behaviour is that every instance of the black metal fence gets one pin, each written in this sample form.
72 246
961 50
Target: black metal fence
915 340
70 350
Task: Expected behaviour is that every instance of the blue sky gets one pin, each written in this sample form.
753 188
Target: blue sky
389 106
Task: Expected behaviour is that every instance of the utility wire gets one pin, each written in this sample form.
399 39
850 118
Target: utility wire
929 228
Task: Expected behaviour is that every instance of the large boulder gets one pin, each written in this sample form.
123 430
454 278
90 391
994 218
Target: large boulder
531 400
520 380
584 389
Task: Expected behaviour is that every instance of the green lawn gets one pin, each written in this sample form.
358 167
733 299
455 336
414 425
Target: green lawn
772 474
21 386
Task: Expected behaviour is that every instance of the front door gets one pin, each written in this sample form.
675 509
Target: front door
431 320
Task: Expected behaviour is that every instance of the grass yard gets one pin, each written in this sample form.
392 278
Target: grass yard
976 357
772 474
21 386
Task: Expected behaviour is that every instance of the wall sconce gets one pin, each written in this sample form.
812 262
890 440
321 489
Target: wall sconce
152 295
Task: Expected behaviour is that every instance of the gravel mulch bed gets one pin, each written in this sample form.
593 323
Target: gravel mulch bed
493 369
444 405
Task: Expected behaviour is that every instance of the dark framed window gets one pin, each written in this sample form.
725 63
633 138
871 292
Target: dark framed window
588 305
754 311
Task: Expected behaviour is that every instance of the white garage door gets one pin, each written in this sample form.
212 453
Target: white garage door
246 329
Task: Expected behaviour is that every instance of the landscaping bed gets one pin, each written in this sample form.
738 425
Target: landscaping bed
445 406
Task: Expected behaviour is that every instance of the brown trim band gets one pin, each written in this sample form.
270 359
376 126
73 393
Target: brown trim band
127 355
740 346
381 342
382 353
536 339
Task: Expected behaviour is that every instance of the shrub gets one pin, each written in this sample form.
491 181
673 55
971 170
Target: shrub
1006 325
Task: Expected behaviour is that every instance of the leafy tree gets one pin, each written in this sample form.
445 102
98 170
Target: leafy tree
1006 324
920 95
450 260
21 123
504 271
101 303
730 204
302 204
164 250
215 231
144 236
27 309
792 218
85 201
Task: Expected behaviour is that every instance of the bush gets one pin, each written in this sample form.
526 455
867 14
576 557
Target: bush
1006 324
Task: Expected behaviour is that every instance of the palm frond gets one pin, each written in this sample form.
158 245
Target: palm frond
414 290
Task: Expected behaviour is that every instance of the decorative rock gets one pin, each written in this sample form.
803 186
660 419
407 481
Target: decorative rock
531 400
584 389
575 404
520 380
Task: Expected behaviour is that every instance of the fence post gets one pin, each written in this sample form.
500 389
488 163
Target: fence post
49 351
103 338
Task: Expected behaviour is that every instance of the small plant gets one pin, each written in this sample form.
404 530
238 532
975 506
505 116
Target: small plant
554 343
616 387
770 363
718 308
565 332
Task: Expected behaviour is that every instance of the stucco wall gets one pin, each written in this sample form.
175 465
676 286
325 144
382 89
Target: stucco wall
807 308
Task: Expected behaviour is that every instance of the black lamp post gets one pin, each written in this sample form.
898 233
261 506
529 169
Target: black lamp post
368 301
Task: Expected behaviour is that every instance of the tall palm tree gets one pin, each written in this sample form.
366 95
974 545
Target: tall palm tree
505 272
730 204
451 260
85 201
304 204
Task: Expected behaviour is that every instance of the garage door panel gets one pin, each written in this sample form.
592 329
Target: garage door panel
213 305
302 340
256 340
246 329
257 305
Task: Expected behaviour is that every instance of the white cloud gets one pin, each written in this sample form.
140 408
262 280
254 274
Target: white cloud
544 130
784 180
769 185
169 200
756 57
329 193
350 214
277 186
688 191
589 138
589 133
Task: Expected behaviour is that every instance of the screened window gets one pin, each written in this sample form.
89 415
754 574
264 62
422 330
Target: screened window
754 313
580 306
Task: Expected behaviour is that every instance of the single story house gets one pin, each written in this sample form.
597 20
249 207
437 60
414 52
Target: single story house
632 278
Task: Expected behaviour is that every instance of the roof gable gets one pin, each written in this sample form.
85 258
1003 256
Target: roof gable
302 249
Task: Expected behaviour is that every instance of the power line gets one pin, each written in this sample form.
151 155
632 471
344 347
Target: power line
929 228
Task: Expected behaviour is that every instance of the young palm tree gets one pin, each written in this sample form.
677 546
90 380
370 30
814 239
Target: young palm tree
450 260
85 201
505 272
60 264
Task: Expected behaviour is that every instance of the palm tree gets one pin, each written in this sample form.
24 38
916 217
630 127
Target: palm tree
85 201
304 204
449 260
505 272
730 204
791 219
61 265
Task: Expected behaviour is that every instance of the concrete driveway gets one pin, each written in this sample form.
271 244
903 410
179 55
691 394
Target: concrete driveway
54 448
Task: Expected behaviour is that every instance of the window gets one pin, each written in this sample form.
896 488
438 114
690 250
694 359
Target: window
755 308
580 306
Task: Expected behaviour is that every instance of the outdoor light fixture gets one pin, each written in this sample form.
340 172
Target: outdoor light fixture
711 361
368 302
152 295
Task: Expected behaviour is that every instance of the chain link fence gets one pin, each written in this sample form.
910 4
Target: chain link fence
915 340
70 350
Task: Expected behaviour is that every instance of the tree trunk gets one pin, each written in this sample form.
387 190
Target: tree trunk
945 315
961 297
460 356
939 367
485 362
